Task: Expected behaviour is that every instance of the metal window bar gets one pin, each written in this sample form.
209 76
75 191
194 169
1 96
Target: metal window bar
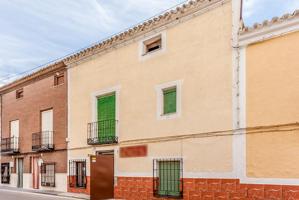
77 173
42 141
102 132
168 177
10 144
5 174
48 174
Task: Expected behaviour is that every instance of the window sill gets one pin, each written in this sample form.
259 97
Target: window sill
151 52
169 116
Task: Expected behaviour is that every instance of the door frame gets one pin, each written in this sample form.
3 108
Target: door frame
111 152
35 159
19 183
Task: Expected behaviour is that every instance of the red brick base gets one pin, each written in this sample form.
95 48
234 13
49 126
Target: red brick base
79 190
207 189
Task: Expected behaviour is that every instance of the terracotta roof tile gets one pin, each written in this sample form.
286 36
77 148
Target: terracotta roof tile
154 22
268 23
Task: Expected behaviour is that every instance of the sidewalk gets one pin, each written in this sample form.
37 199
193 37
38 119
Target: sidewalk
47 192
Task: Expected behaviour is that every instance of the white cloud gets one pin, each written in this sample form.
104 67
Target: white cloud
36 31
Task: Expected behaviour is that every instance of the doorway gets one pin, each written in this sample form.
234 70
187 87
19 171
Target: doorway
20 171
102 176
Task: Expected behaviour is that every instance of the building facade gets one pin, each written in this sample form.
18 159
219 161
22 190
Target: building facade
145 107
34 130
188 105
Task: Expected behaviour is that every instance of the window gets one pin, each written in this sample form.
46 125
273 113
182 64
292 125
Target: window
153 44
168 177
5 174
77 176
19 93
169 101
59 79
48 174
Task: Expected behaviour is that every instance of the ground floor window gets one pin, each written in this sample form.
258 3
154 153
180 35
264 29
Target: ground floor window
77 173
5 174
48 174
168 174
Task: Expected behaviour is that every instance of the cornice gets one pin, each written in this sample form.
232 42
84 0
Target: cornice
270 29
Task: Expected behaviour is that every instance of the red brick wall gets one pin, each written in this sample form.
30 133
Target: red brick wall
207 189
39 95
80 190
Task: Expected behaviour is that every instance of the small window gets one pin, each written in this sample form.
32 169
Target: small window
168 177
48 174
169 100
77 176
152 44
5 174
19 93
59 79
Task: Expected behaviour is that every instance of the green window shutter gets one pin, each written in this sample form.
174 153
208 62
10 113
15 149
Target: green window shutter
106 117
169 178
169 101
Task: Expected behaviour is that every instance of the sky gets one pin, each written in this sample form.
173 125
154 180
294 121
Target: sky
35 32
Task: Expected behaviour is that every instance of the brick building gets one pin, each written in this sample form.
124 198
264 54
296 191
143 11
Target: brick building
34 130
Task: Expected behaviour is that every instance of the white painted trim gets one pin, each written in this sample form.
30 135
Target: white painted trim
159 92
142 55
268 32
94 97
239 156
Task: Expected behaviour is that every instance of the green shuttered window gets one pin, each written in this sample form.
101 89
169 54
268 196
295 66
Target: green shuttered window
168 178
169 100
106 117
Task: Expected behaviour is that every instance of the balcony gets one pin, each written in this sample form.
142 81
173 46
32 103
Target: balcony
42 141
102 132
10 145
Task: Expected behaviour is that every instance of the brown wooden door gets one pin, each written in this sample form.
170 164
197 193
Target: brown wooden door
102 177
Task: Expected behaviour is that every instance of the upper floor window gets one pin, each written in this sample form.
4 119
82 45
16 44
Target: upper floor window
59 79
169 100
152 45
19 93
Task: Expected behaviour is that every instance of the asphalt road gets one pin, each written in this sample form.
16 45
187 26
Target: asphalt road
13 195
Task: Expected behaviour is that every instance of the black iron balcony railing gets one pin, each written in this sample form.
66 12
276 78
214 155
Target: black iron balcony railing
10 145
42 141
102 132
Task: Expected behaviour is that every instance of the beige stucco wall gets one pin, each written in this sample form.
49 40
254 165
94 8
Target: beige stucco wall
198 53
272 79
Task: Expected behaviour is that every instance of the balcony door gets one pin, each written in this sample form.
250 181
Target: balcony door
14 133
47 128
106 118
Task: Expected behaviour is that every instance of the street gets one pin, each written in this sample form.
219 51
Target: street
14 195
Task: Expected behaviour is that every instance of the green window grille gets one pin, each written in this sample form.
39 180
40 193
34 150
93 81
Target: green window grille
169 101
167 176
106 118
